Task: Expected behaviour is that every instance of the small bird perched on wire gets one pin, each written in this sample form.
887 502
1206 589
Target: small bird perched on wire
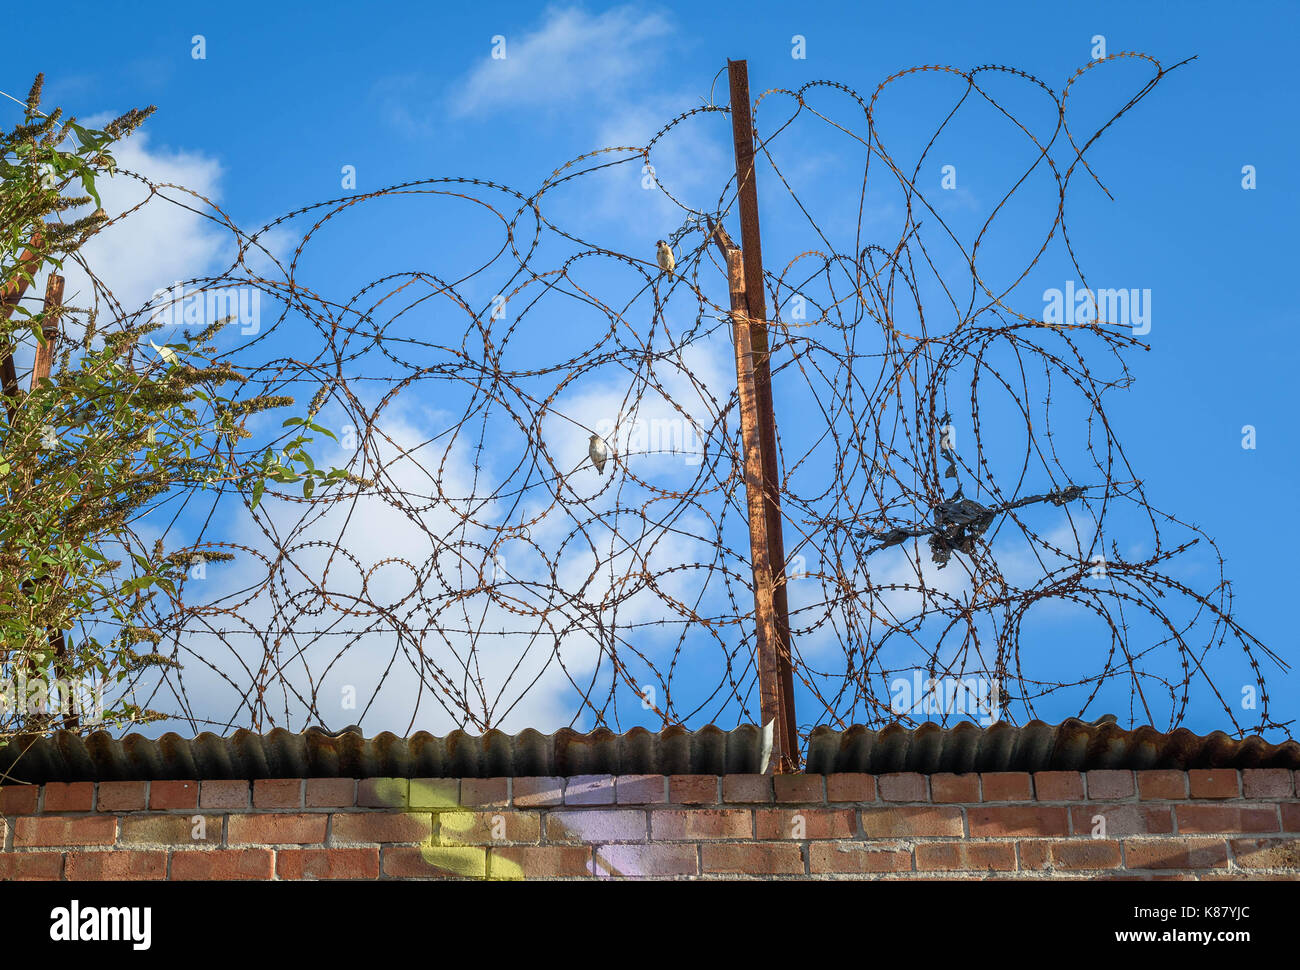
664 257
598 452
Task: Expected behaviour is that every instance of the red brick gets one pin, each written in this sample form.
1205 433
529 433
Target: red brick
1213 783
1162 783
747 788
1266 782
435 861
220 793
330 793
539 861
948 788
277 793
173 794
276 829
116 864
589 790
1006 786
1070 854
1266 853
425 793
327 863
700 823
907 822
850 787
1110 785
640 789
1202 819
167 829
477 828
538 792
392 792
485 792
76 796
693 789
646 860
365 827
1015 821
1175 853
752 858
798 789
222 864
965 856
23 866
122 796
1290 816
853 857
19 799
1058 786
1126 818
597 825
817 823
56 830
903 786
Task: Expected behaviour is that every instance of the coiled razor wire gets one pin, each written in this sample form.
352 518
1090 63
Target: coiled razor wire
626 596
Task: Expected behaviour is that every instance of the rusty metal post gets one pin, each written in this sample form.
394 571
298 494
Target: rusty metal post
742 128
44 361
13 291
766 633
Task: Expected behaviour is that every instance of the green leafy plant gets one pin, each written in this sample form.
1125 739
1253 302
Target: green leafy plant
120 425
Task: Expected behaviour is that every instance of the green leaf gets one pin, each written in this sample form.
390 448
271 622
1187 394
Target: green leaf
88 183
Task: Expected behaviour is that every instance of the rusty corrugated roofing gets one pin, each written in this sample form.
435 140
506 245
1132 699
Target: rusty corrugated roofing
1036 746
1072 745
65 756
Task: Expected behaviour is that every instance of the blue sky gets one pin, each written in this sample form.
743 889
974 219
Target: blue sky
284 99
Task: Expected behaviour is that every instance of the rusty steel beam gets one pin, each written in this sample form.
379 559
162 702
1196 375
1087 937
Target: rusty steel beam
742 128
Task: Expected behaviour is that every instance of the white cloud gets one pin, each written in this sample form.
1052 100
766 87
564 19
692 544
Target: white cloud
570 56
162 242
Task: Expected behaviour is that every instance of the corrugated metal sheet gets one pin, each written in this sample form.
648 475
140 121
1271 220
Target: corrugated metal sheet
65 756
1071 745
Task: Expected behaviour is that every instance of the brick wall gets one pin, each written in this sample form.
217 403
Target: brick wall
1097 824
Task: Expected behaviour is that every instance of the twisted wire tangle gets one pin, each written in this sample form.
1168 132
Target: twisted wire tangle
947 468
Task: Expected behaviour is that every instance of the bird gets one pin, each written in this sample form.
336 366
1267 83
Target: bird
598 452
664 257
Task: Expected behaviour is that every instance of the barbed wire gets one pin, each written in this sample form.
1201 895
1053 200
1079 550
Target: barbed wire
491 574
